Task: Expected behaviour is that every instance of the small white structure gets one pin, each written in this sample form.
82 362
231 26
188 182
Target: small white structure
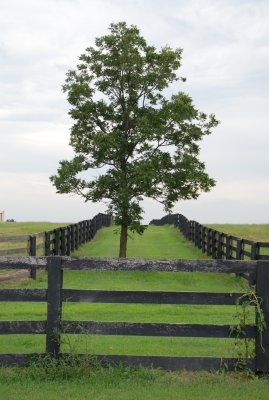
2 216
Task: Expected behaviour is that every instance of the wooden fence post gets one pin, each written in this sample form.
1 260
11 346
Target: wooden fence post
84 231
254 251
262 340
209 242
79 233
72 238
68 240
56 242
32 252
87 237
214 243
198 236
252 277
239 248
62 242
54 305
47 243
76 236
228 247
219 250
203 239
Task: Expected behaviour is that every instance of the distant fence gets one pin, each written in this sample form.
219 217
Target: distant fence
217 244
59 241
55 295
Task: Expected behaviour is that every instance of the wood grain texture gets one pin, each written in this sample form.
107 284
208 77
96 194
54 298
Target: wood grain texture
165 265
153 329
165 362
23 295
148 297
22 327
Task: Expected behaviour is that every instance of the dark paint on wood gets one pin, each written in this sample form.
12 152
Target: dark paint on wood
54 310
148 297
23 295
165 362
22 327
153 329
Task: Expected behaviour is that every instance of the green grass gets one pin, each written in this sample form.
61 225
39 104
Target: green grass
127 383
27 228
257 233
254 232
157 242
24 228
79 383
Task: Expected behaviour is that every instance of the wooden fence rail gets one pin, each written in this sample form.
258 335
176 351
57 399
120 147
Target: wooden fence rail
55 295
217 244
59 241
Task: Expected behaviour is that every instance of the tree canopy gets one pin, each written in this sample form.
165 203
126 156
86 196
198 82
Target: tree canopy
141 143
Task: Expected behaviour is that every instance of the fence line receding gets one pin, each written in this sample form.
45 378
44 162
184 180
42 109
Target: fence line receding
217 244
59 241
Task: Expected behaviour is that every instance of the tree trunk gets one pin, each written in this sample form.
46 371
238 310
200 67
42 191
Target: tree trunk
123 240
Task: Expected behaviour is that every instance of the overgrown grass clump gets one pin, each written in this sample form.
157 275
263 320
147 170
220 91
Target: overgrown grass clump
75 379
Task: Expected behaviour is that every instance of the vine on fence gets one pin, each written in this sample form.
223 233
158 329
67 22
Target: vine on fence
243 314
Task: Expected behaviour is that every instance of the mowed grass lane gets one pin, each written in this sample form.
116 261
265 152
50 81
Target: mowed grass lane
159 242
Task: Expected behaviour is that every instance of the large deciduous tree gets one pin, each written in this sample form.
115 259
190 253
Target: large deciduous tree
142 143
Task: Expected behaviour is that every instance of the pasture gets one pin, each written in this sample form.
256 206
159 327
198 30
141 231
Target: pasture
255 232
130 383
21 229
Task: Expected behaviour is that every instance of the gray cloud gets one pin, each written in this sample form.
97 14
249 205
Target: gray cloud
225 60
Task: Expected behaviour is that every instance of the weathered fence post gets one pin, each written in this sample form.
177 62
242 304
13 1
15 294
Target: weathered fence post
87 231
72 237
56 242
219 251
228 247
254 247
62 242
32 252
209 242
262 340
76 236
214 243
47 243
252 277
239 248
54 305
84 231
68 240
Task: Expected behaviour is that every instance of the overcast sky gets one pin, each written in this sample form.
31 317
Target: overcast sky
225 61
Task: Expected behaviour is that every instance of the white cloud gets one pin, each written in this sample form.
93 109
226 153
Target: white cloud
225 60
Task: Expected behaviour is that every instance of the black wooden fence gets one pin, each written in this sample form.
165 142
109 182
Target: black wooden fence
216 244
59 241
55 295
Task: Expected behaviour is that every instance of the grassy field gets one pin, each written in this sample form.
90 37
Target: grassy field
157 242
128 384
125 383
27 228
257 233
24 228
